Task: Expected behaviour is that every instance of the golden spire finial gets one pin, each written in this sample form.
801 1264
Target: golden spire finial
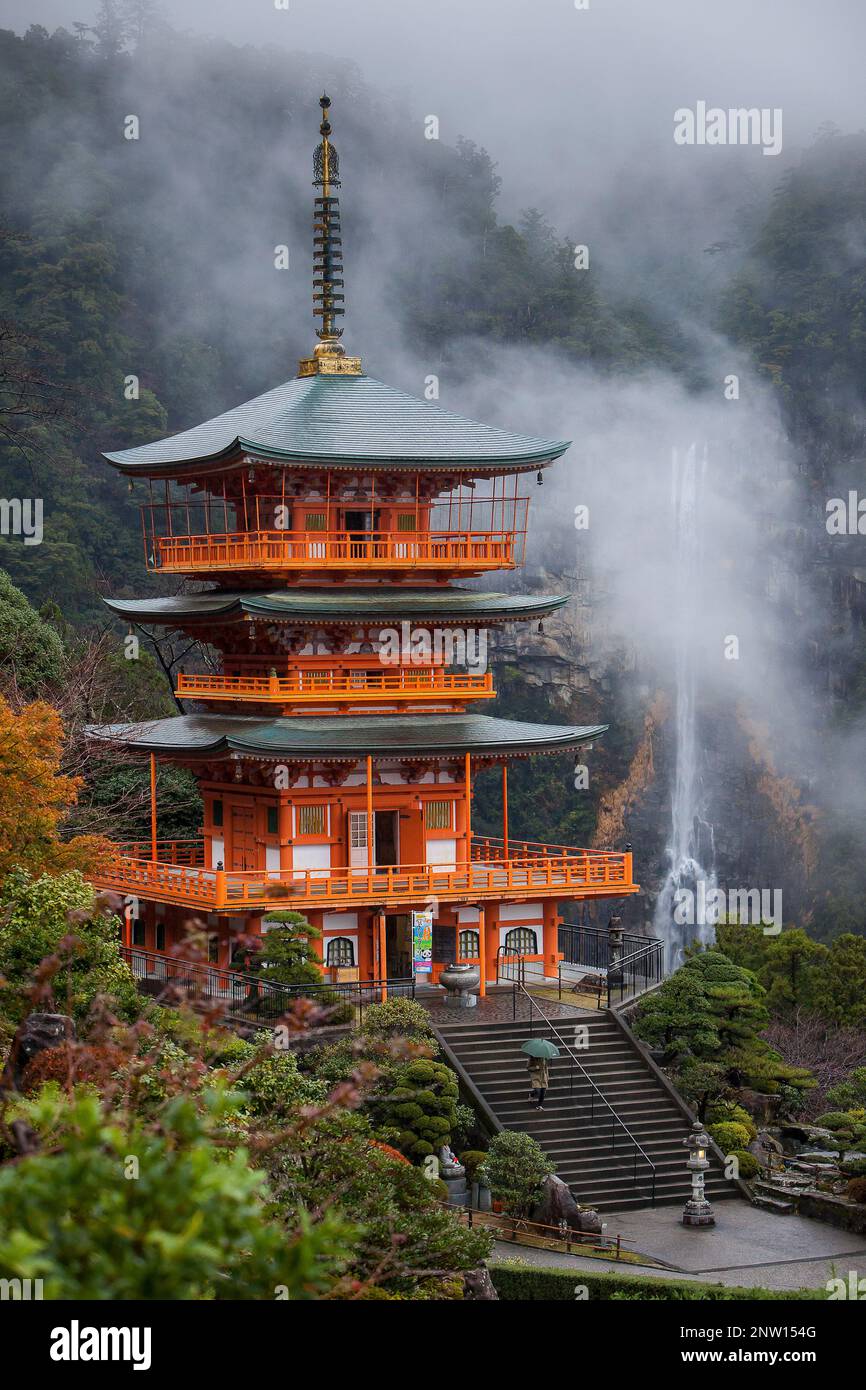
329 356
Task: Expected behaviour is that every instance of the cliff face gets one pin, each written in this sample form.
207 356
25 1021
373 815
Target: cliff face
760 830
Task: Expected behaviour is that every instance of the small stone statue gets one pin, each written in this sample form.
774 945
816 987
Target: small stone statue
449 1168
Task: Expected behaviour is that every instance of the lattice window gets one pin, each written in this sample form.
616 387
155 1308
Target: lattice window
406 521
468 945
341 951
521 941
311 820
437 815
358 830
315 521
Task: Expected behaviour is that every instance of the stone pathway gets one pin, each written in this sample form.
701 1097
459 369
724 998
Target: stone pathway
746 1247
496 1007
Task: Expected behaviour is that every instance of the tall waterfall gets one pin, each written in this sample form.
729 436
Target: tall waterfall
690 849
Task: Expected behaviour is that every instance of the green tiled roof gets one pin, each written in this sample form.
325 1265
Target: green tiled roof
214 735
373 603
340 420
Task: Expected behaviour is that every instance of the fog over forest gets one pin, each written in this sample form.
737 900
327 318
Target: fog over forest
555 130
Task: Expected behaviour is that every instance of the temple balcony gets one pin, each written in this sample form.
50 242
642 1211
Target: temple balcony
288 552
177 873
342 688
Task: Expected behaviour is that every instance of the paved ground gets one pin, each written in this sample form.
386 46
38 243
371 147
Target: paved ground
496 1007
746 1247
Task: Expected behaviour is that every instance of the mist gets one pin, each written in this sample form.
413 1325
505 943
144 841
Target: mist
576 109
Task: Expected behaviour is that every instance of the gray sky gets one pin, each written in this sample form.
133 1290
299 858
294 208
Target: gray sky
560 97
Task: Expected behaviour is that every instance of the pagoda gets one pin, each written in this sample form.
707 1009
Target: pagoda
335 747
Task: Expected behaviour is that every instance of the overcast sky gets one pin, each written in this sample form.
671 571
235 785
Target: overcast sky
560 97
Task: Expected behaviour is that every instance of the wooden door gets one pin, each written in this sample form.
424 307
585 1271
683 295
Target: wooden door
244 848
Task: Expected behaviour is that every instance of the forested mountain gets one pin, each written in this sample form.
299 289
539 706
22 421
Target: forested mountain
154 257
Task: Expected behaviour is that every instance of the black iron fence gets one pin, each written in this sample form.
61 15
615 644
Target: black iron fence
637 972
590 946
248 998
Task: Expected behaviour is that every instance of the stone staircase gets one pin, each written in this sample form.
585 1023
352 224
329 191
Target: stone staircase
598 1174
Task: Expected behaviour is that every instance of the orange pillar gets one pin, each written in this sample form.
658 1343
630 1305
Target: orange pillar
467 770
505 810
153 806
369 819
482 952
550 934
383 955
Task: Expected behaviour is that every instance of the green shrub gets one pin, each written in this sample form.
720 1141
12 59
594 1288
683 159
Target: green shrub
472 1160
729 1136
518 1283
514 1170
749 1165
421 1105
398 1018
728 1112
856 1168
835 1119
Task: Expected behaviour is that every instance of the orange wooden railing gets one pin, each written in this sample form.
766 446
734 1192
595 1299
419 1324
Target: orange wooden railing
247 550
179 876
309 686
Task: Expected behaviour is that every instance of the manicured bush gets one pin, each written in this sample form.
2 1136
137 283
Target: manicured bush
516 1283
398 1018
421 1106
856 1168
514 1170
729 1136
856 1191
472 1160
728 1112
748 1164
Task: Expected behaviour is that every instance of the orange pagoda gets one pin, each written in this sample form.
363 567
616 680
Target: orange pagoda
336 745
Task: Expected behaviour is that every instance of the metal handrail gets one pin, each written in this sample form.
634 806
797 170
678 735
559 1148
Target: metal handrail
252 998
654 949
575 1061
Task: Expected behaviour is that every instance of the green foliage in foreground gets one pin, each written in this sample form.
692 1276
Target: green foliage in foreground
125 1213
38 915
516 1283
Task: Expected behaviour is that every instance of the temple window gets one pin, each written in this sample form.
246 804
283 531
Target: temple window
468 945
521 941
341 951
437 815
217 813
311 820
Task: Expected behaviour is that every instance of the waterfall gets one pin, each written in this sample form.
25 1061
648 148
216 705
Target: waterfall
690 849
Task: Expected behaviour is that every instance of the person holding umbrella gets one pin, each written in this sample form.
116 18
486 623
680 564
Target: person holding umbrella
539 1051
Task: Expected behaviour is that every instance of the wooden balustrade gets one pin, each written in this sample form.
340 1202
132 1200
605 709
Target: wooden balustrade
179 876
317 550
347 686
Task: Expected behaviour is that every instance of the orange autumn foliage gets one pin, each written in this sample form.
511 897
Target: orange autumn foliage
35 796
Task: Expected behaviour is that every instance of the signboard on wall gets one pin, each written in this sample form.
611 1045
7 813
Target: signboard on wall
422 942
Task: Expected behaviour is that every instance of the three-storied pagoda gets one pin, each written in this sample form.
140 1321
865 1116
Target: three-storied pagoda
335 748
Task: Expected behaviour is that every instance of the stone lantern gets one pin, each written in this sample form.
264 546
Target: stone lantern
615 931
697 1211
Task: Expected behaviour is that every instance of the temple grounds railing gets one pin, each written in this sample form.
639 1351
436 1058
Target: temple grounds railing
178 874
247 998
